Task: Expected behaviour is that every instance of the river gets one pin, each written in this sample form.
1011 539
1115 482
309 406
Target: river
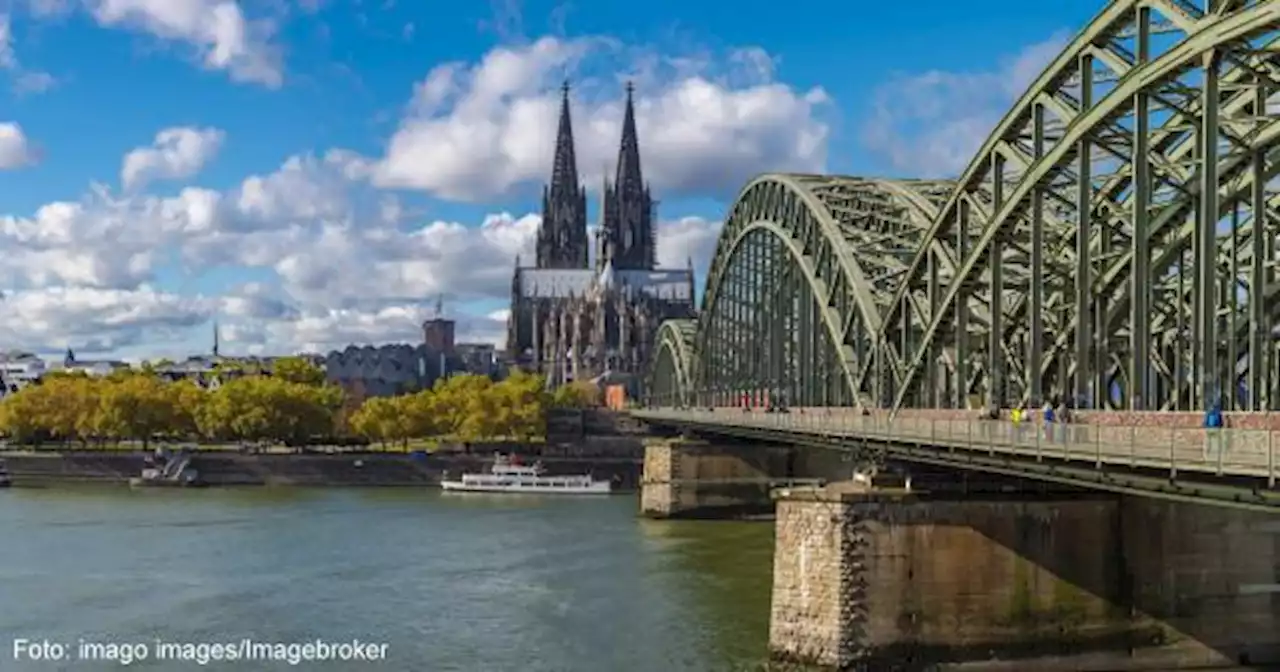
457 582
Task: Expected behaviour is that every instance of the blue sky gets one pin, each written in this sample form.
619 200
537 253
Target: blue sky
312 173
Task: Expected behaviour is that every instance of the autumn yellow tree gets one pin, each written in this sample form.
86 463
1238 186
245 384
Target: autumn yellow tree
298 370
577 394
268 408
518 406
134 407
385 420
461 407
62 402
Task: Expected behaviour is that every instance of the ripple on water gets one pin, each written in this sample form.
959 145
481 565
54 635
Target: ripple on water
449 583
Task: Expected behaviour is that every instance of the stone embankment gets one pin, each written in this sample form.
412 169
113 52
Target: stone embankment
306 469
605 443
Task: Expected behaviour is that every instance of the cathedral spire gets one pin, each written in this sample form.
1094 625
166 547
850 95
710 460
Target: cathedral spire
562 236
629 178
564 172
630 212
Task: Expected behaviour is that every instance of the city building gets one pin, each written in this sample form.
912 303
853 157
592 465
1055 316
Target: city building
19 369
479 358
375 371
92 367
211 370
383 370
571 320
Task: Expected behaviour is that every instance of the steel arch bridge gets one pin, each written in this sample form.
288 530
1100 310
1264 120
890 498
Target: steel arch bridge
1114 240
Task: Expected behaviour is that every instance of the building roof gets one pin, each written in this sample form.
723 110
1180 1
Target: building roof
560 283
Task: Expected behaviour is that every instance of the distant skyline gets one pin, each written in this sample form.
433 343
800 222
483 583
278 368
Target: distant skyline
314 173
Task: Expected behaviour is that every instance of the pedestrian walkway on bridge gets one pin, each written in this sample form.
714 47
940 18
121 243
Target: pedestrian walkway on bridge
1177 451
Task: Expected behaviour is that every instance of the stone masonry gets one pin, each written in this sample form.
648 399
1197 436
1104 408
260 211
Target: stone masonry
690 478
660 480
892 580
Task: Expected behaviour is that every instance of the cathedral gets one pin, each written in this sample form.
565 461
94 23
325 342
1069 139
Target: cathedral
582 316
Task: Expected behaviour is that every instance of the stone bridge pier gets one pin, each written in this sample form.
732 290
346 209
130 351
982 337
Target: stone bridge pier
896 580
690 478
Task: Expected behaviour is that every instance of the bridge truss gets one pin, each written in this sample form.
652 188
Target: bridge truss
1114 240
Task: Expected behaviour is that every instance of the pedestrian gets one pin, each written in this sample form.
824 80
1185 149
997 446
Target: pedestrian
1213 429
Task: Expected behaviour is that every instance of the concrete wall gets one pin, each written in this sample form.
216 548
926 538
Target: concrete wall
684 478
228 468
1101 583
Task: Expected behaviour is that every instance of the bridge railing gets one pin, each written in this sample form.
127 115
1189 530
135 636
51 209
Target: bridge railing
1222 452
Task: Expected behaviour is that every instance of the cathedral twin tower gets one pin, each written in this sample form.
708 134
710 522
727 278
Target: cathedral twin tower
570 321
626 237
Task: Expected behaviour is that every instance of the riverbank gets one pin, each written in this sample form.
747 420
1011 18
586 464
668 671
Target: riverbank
33 469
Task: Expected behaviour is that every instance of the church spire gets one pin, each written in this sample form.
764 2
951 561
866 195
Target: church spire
629 177
562 236
564 172
631 212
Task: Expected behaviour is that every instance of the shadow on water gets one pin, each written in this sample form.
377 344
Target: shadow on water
727 568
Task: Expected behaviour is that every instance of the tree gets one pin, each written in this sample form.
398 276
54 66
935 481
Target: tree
298 370
294 407
577 394
385 419
266 407
519 405
353 397
462 407
135 407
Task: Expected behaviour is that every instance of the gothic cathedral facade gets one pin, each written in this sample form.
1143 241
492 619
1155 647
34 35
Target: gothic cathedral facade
582 316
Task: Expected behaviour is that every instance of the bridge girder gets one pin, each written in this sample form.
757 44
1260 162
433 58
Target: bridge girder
804 268
1151 137
670 375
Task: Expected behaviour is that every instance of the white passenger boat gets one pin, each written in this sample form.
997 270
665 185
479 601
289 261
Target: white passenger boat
508 476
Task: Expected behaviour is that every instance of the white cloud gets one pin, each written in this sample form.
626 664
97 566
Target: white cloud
324 330
338 262
223 36
15 149
474 132
24 80
931 124
347 265
685 239
96 319
175 153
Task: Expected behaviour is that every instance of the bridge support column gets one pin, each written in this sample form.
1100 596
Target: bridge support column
874 579
685 478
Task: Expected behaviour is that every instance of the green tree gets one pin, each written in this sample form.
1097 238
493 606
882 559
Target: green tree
519 407
298 370
577 394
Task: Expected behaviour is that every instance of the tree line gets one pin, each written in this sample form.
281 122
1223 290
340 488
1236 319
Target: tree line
293 405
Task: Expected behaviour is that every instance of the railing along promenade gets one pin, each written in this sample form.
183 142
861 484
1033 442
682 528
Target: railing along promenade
1217 452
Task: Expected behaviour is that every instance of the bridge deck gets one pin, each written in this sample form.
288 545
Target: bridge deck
1223 452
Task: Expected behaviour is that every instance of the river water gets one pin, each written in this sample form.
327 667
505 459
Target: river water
445 582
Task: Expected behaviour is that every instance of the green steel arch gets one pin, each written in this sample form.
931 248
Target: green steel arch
1114 240
804 267
1155 154
673 363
